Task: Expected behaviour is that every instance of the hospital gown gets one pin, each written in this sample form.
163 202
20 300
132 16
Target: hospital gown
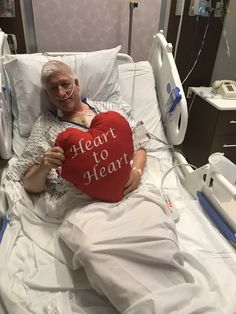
129 250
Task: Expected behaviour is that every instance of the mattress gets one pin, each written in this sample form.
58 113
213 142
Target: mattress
208 256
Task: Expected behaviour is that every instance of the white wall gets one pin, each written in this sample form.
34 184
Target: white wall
86 25
225 65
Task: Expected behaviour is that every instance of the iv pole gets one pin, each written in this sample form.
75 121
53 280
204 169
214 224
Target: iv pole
132 4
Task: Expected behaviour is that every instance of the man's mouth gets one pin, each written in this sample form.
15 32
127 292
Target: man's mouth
63 99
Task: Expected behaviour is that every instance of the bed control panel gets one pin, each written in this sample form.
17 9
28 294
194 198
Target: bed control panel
174 99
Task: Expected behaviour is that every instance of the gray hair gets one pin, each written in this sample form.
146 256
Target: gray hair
52 67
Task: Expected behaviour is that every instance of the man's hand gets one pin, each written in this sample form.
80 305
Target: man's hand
36 176
52 158
133 182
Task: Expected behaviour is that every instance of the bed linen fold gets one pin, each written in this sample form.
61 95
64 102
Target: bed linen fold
134 251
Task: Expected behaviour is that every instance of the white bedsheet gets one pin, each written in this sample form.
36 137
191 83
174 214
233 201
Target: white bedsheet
40 276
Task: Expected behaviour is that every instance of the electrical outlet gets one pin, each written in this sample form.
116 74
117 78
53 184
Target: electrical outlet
189 92
219 10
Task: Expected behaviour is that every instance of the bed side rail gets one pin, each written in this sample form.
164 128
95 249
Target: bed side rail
219 190
5 110
5 124
169 88
4 46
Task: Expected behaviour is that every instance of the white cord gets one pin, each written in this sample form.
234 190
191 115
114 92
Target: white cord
199 52
170 169
170 209
68 96
191 104
226 39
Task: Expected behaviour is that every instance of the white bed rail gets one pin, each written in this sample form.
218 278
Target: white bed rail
5 115
5 125
167 80
218 190
4 47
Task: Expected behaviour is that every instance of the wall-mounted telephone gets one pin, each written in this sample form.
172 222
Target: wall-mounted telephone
225 88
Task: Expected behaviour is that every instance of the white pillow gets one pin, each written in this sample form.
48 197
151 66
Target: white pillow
97 72
137 87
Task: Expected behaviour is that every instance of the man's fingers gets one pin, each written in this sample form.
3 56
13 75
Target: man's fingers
57 149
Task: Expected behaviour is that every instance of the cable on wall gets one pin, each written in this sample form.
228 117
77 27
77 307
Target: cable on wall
200 50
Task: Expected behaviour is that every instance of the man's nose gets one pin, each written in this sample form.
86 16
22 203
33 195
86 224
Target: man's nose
61 91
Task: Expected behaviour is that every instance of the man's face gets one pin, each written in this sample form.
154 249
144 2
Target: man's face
63 91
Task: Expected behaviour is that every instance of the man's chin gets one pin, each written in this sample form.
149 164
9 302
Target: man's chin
66 105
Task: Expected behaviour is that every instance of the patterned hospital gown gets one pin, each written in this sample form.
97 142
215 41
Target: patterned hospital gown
43 136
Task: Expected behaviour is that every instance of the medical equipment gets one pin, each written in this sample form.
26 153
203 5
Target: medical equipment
174 99
34 262
200 7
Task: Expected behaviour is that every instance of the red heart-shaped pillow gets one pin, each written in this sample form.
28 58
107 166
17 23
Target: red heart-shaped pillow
97 162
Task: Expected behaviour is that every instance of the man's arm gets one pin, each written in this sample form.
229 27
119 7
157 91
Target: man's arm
139 162
35 178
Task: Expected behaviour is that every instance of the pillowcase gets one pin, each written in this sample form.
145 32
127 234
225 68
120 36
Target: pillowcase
97 72
137 87
97 162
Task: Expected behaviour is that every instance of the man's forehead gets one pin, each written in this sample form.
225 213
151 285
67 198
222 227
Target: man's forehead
59 77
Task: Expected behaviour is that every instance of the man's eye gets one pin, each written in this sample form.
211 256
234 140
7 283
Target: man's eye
53 88
65 85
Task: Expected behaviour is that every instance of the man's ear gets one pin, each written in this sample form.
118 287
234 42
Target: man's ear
76 82
77 85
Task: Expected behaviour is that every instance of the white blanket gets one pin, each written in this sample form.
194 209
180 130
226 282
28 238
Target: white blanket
129 253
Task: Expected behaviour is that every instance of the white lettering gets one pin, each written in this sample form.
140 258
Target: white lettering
112 133
119 161
97 140
76 149
89 176
95 157
111 167
103 172
88 145
98 173
104 154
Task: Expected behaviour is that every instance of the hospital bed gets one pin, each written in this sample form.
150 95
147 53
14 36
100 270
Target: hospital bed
32 280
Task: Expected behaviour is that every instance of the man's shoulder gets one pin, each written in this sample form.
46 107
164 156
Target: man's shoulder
46 117
100 105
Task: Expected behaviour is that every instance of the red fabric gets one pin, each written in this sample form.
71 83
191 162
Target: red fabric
97 162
